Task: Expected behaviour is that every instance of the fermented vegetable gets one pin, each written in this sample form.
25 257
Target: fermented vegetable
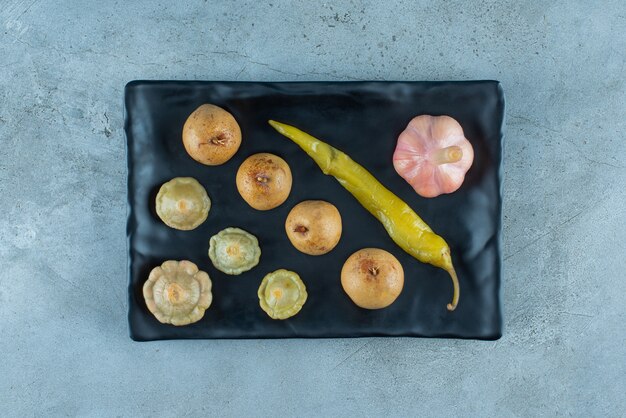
282 294
433 155
373 278
264 181
234 251
211 135
314 227
182 203
177 293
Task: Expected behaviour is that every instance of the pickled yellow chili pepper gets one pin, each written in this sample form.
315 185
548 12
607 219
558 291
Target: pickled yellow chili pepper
403 225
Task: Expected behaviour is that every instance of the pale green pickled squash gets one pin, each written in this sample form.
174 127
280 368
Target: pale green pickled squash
234 251
177 292
282 294
182 203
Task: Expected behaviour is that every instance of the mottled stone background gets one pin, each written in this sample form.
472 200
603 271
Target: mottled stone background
63 332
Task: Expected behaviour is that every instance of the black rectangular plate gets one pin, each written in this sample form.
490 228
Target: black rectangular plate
362 119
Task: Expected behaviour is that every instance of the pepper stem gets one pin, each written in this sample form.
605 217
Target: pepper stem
451 154
455 284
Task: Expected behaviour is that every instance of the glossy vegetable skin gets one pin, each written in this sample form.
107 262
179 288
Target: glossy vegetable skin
403 225
182 203
282 294
233 251
177 293
433 155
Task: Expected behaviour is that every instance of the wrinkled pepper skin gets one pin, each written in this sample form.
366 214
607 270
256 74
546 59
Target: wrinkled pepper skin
403 225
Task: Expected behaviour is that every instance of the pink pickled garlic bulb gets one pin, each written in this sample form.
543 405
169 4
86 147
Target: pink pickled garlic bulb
433 155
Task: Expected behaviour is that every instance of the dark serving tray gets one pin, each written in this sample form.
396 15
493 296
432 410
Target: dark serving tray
363 119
